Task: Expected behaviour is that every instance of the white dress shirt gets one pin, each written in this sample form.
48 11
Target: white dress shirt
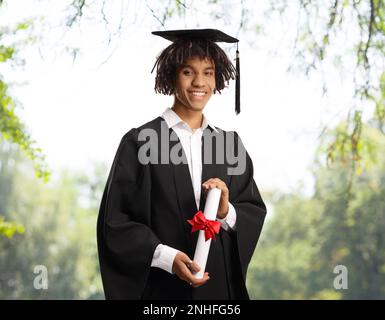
191 140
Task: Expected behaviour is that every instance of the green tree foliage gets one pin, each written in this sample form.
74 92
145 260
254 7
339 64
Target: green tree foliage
11 127
351 34
8 229
59 232
306 238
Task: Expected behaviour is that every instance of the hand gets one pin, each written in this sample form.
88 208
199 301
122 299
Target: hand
183 268
223 208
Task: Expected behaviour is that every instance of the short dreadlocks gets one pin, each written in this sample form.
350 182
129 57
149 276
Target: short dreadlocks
176 54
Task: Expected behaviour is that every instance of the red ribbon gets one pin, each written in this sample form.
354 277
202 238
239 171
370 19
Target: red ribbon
199 222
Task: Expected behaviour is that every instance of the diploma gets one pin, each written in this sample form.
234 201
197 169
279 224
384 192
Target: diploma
203 246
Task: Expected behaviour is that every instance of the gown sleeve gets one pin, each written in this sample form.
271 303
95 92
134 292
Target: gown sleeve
126 244
250 210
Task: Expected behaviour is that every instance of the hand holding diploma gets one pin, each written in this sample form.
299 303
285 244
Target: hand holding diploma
216 206
223 207
184 268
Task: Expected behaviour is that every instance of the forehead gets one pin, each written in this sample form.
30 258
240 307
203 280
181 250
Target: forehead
198 62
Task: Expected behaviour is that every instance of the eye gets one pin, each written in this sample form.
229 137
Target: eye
209 73
187 72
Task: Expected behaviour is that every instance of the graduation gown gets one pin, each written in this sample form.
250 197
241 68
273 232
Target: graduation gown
144 205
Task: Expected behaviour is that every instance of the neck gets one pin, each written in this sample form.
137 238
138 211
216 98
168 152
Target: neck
193 118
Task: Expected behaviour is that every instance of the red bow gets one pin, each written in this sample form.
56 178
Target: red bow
199 222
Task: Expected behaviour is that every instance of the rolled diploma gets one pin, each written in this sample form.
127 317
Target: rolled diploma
202 248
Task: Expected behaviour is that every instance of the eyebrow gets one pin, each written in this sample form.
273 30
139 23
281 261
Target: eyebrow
188 66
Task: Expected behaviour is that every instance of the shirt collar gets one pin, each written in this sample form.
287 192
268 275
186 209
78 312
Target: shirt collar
172 119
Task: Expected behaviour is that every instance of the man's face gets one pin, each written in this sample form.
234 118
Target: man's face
195 83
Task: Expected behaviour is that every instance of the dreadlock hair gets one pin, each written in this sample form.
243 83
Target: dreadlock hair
176 54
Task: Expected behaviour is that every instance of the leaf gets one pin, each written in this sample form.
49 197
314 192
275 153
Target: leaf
12 129
8 229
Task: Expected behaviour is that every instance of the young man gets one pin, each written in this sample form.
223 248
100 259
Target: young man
145 242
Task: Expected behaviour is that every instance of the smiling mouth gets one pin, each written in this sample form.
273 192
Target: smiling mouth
197 93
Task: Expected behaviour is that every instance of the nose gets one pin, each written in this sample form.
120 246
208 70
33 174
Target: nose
198 80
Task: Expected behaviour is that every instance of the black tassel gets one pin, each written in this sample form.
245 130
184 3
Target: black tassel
237 85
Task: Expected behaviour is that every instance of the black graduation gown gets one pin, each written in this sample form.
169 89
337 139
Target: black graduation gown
145 205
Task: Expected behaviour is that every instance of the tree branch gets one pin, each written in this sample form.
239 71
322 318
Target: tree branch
370 32
155 16
78 5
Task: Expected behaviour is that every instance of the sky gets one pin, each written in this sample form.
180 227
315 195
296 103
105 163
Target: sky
78 110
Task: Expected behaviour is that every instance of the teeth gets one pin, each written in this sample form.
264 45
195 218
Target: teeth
197 93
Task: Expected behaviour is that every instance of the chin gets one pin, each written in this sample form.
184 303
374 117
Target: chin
198 107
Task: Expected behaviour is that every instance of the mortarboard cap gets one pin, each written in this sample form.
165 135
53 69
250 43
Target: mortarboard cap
211 35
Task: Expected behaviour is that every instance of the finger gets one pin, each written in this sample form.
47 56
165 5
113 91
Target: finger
205 189
208 182
195 267
187 269
205 186
188 263
205 278
185 264
185 274
220 184
199 282
202 280
225 191
210 185
191 278
220 187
